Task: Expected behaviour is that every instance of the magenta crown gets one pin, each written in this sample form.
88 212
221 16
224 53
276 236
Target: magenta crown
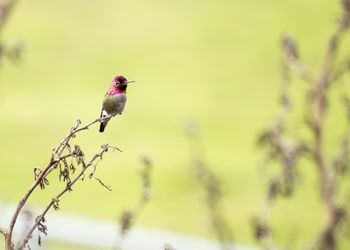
119 79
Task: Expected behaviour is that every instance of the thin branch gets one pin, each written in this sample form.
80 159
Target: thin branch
51 165
102 184
115 148
23 201
64 157
73 132
67 188
5 11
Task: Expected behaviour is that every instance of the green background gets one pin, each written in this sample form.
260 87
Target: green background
212 62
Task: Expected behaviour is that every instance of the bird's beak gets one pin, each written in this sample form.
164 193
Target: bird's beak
129 81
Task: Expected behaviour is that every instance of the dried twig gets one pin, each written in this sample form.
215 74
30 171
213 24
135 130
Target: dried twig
103 185
40 218
56 159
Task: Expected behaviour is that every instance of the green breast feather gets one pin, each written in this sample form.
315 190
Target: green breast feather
114 104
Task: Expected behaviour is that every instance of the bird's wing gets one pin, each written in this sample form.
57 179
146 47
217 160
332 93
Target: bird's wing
102 104
121 103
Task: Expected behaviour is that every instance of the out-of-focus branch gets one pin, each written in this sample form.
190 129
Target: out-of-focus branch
3 231
286 153
12 52
128 217
280 148
325 79
211 186
290 58
283 150
342 69
318 102
6 8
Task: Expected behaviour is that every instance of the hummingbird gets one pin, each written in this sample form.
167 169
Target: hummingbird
114 100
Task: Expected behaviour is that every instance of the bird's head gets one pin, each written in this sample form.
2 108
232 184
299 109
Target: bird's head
120 82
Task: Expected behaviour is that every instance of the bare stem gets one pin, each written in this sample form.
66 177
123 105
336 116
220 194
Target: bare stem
55 159
73 132
21 204
67 188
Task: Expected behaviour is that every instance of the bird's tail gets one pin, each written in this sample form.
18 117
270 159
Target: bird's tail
103 123
102 126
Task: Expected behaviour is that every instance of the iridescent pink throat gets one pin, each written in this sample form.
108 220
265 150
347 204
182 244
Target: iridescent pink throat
113 90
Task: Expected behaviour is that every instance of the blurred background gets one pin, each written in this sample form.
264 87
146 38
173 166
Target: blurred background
215 63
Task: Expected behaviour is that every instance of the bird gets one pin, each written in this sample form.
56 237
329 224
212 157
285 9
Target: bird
114 100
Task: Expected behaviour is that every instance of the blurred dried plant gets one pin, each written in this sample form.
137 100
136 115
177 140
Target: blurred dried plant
14 51
211 187
70 164
128 217
283 148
